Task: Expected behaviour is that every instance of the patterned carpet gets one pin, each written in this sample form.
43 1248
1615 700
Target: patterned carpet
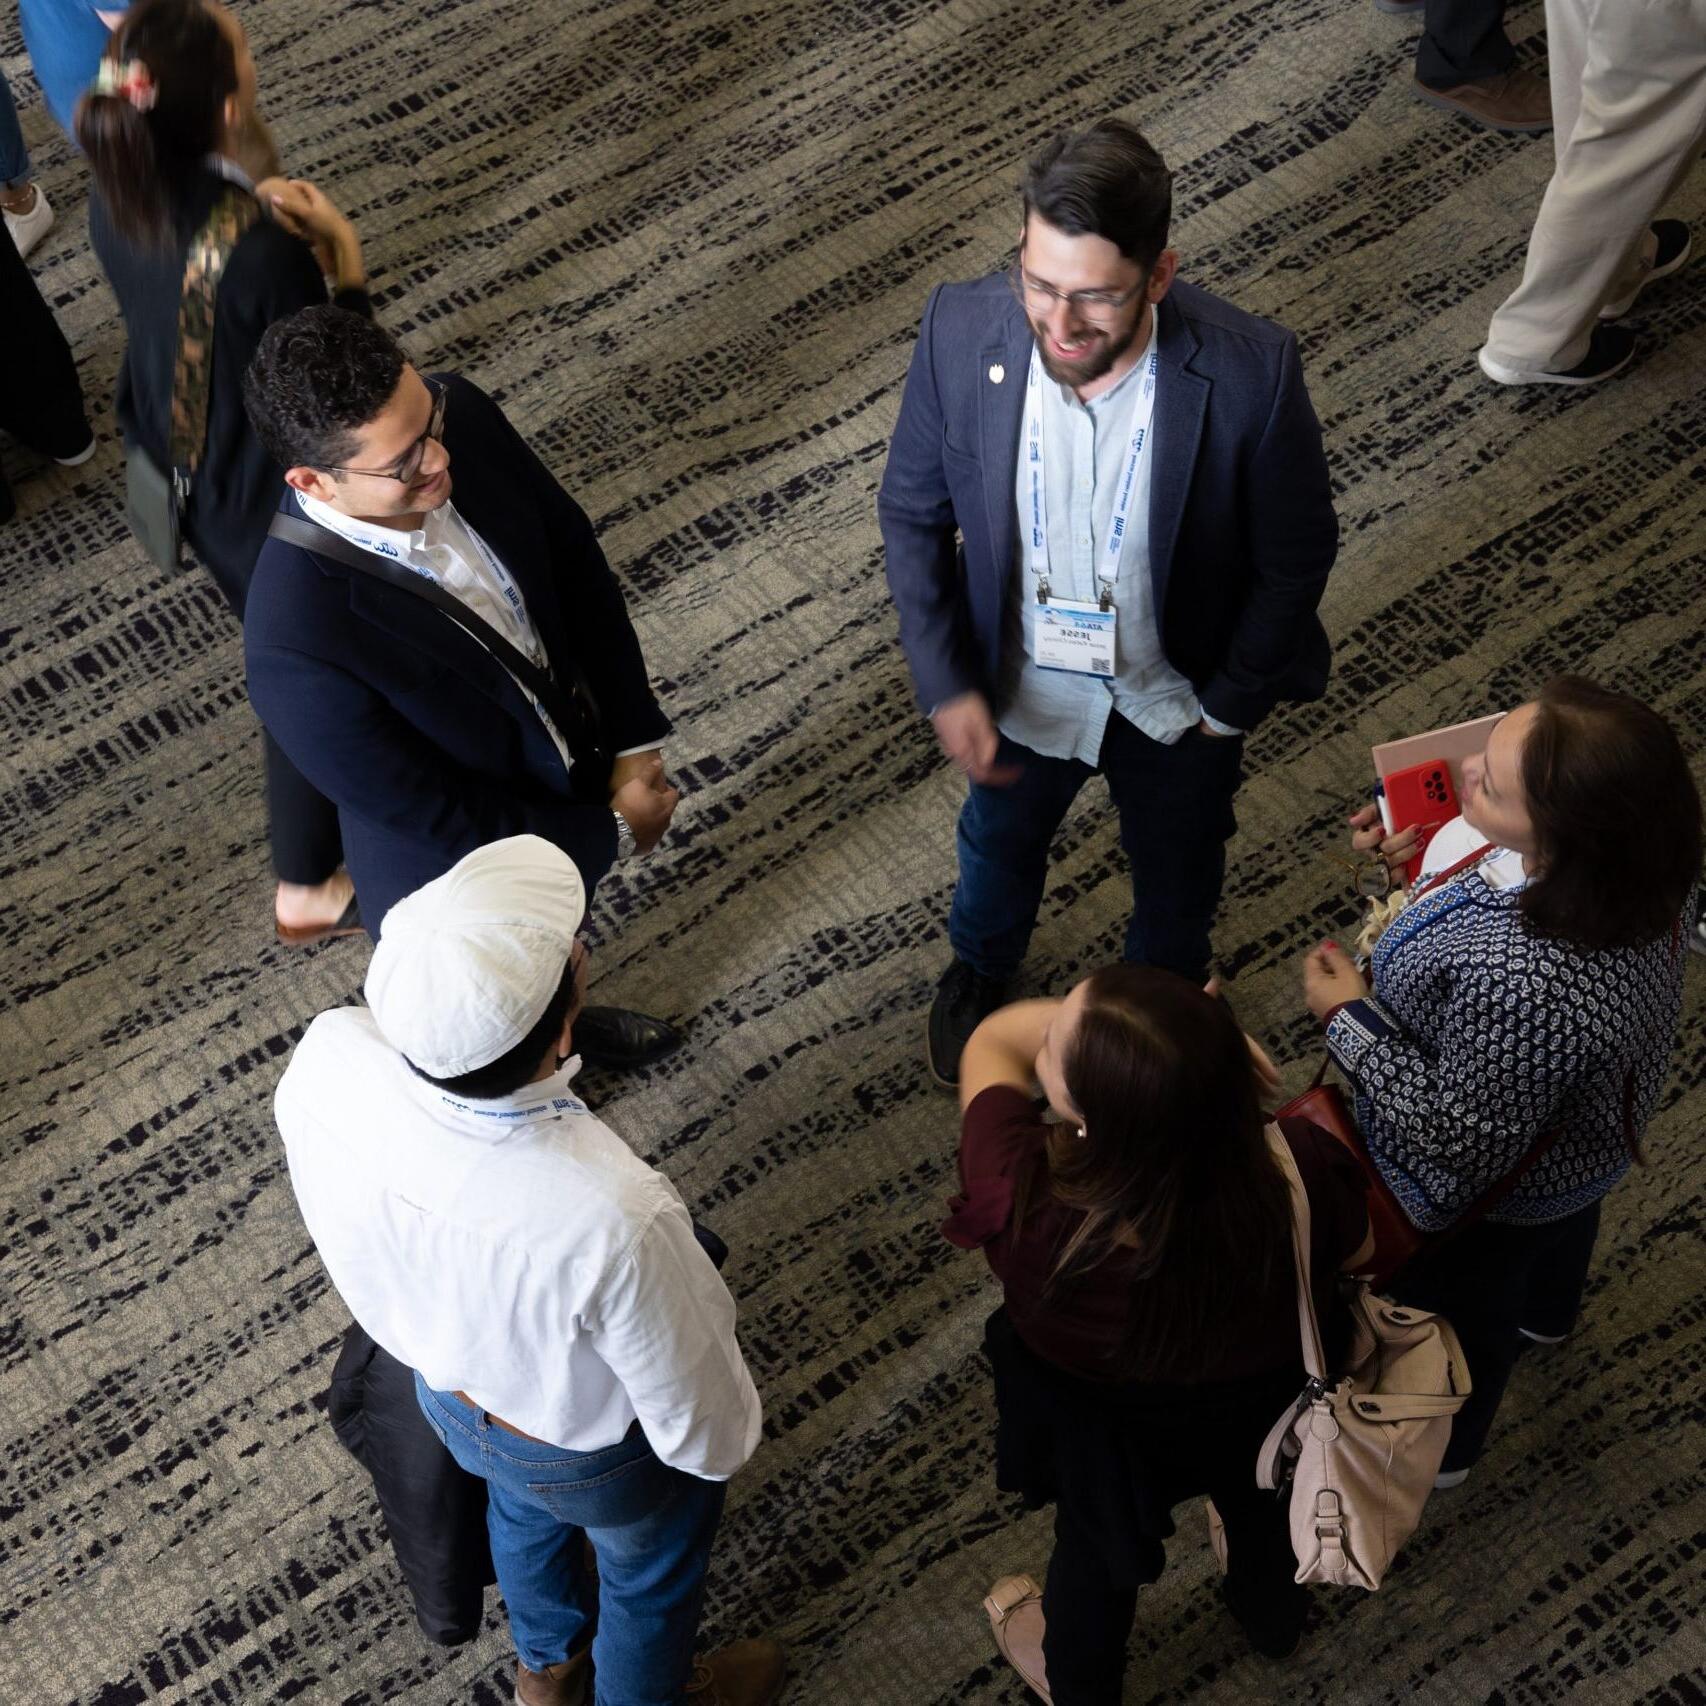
686 242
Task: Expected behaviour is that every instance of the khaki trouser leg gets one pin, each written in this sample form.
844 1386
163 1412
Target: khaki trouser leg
1629 110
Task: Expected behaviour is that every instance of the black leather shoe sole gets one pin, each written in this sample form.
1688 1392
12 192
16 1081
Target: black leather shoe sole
615 1039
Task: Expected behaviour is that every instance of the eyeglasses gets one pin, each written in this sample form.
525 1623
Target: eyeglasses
407 466
1371 876
1092 304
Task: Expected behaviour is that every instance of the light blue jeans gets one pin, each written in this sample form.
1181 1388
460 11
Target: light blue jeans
650 1526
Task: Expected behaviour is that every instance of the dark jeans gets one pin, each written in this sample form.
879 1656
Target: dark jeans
1175 810
1489 1281
1463 41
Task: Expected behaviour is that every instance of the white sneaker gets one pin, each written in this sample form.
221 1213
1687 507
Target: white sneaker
1609 351
28 229
82 455
1446 1479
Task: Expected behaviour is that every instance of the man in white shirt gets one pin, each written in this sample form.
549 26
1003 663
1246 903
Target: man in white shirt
446 672
573 1343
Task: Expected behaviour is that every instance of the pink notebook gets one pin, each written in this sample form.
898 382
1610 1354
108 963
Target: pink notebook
1460 741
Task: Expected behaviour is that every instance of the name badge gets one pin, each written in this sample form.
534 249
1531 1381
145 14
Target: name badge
1078 638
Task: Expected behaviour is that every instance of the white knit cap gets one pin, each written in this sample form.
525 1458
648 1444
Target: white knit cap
467 964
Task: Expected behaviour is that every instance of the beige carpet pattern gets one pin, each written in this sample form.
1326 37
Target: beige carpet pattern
686 243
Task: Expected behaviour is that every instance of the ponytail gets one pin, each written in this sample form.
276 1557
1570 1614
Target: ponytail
155 112
119 141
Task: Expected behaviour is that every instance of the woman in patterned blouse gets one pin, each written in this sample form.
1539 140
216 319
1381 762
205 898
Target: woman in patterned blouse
1524 1009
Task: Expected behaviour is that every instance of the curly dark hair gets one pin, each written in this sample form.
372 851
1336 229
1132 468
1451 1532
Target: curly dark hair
1107 181
319 376
1616 818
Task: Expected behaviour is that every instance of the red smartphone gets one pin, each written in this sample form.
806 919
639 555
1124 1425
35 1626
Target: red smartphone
1423 796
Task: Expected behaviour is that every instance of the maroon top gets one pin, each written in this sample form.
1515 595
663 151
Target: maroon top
1081 1326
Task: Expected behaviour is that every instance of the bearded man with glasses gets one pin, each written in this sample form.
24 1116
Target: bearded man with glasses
448 673
1107 525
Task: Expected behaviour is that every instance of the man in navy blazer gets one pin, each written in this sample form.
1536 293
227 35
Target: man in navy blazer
425 741
1108 523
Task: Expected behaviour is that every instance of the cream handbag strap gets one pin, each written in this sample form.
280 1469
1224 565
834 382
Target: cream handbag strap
1309 1329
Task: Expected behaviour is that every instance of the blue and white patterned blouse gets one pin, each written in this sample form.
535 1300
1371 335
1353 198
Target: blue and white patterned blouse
1479 1037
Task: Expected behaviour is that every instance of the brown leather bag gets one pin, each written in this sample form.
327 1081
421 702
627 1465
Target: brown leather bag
1396 1237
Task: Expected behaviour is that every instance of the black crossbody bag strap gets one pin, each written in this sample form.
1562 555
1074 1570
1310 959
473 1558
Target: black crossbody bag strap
575 711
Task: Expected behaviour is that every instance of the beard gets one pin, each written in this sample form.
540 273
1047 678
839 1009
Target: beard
1100 353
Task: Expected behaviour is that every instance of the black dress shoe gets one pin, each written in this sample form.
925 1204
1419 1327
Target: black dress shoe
619 1040
964 999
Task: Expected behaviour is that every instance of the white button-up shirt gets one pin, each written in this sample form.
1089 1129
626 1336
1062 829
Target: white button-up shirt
446 550
1062 714
517 1251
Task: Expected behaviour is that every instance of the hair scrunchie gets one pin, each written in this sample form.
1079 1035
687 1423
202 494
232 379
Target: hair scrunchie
130 81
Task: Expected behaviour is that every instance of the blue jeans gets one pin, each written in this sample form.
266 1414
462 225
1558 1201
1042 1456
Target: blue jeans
651 1527
14 156
1175 811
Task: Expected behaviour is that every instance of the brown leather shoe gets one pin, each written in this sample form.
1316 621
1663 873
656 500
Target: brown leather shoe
565 1684
1514 100
748 1673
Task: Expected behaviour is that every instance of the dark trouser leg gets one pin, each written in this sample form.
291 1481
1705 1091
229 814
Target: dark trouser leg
307 846
1003 840
41 402
1261 1569
1478 1280
1559 1277
1463 41
1087 1615
1175 806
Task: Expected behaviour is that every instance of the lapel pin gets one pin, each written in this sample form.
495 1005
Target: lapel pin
997 373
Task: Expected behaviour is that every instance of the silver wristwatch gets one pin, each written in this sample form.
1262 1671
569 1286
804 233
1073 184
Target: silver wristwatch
626 845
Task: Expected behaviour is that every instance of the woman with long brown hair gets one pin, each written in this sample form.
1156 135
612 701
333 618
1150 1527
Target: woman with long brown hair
1148 1336
1520 1014
164 127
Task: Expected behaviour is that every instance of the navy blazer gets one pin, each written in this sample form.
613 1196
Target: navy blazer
418 734
1242 532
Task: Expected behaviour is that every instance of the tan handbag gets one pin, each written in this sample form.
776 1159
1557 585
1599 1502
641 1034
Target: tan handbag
1359 1449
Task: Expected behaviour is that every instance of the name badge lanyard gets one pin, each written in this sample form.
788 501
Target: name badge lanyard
1113 547
510 592
514 609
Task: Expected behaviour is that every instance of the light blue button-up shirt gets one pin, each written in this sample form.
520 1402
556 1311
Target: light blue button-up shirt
1058 713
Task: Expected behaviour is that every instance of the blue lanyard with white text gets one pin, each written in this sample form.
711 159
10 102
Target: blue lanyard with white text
1113 547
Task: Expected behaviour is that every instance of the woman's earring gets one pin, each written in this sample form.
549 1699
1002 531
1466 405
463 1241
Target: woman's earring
1082 1132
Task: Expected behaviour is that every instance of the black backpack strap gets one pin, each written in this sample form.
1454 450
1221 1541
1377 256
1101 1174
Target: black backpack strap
575 711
